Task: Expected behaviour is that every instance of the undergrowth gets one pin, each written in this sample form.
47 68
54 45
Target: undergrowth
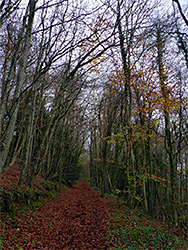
21 202
130 229
16 196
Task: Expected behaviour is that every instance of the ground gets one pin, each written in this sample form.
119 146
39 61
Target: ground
79 218
75 219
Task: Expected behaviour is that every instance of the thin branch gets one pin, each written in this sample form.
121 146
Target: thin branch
181 12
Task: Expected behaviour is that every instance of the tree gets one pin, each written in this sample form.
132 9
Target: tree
57 26
7 136
140 156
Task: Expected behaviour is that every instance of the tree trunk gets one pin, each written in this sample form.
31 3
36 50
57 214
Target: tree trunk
19 83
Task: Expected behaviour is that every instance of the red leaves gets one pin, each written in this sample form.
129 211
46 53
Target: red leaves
74 220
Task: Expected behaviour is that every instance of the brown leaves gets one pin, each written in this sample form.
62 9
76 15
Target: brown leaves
74 220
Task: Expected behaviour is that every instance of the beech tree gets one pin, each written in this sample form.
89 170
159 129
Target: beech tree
141 156
26 29
56 44
105 80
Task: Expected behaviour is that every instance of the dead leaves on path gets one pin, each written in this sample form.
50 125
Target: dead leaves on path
73 220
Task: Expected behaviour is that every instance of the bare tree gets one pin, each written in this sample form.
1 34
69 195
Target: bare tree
7 7
7 136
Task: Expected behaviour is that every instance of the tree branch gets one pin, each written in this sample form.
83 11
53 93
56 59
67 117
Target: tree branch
181 12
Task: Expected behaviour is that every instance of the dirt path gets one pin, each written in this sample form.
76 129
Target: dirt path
77 219
74 220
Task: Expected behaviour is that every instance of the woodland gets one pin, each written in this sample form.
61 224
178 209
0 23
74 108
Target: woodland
97 90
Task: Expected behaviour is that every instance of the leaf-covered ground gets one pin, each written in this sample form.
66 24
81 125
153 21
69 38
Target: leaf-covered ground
75 219
79 218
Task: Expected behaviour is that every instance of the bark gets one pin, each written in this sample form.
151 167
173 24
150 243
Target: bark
19 83
34 115
168 134
19 147
6 81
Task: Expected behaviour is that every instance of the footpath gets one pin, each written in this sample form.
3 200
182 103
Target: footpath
75 219
78 218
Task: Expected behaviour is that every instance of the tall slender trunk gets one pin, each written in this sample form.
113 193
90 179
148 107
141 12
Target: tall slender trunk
19 83
6 80
168 134
33 117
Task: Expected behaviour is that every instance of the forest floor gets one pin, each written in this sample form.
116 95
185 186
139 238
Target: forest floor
79 218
